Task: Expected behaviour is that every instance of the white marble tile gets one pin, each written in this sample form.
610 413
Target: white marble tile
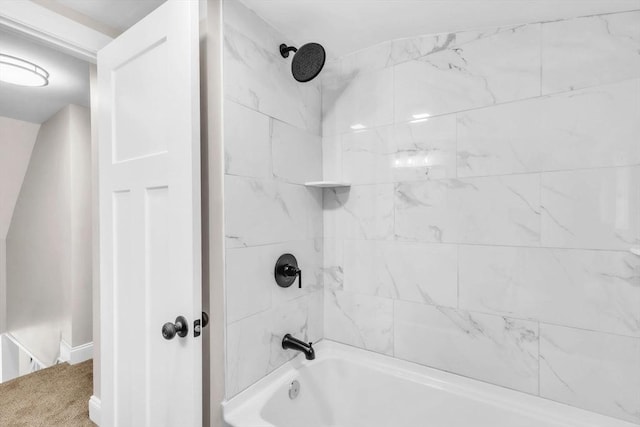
247 287
297 155
414 151
590 51
332 158
423 212
493 210
371 58
490 348
302 317
309 254
315 220
501 68
505 210
333 261
259 78
597 290
591 370
250 285
367 156
593 127
426 273
406 49
354 102
259 212
241 18
332 69
247 148
254 344
359 212
425 148
502 139
360 320
248 352
595 208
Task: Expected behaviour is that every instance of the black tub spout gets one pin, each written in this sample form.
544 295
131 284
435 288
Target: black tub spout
289 342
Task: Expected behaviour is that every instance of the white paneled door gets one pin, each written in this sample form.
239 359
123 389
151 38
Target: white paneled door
150 222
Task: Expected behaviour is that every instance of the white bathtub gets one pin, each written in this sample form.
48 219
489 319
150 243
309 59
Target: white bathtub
348 387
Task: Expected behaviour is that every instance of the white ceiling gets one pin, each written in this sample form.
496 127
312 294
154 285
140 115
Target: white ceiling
69 77
345 26
118 14
68 81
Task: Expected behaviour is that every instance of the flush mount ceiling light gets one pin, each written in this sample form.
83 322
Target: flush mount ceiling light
20 72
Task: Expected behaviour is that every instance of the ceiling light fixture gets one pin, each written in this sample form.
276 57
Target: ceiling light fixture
20 72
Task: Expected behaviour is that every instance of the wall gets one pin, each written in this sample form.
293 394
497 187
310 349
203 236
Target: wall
495 197
272 146
81 227
3 285
16 142
48 243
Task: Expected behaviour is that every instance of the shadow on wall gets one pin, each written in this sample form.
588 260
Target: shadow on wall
48 244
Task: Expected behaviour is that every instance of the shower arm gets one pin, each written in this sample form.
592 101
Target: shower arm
284 50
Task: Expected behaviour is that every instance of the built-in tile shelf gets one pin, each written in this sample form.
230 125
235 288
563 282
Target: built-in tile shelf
327 184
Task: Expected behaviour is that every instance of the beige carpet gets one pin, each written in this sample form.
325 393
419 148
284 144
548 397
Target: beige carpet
52 397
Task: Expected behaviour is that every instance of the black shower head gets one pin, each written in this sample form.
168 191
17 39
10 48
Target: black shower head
307 61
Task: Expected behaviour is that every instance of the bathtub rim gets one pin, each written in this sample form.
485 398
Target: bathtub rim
245 407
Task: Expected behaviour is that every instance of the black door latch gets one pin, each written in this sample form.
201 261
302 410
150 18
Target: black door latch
196 324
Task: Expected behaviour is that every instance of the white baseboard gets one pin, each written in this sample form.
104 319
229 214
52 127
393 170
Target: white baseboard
77 354
94 409
65 352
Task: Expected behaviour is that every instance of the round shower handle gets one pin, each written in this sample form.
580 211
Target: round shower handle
180 327
287 270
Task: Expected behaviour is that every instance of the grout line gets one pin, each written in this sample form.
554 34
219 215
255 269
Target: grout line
541 35
541 209
513 101
539 335
537 322
393 329
469 177
434 243
275 307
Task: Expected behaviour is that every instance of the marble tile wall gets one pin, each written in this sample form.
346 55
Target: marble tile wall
495 200
272 140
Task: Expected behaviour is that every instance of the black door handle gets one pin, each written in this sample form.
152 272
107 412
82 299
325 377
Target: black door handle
180 327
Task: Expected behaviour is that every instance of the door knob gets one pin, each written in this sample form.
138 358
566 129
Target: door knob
180 327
